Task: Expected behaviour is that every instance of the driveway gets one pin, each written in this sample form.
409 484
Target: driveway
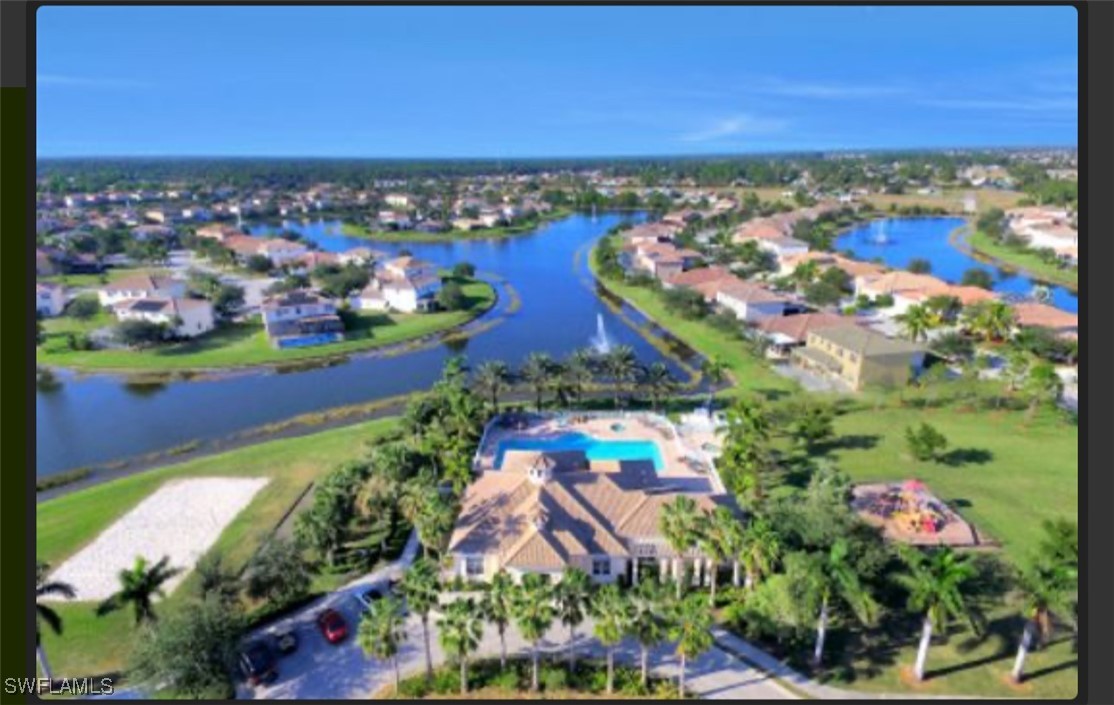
319 670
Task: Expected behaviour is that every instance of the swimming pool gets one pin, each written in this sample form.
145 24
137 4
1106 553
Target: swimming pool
594 448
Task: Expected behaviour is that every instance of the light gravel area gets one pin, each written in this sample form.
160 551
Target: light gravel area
182 520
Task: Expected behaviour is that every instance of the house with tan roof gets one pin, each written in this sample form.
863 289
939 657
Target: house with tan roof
1031 314
705 280
751 302
760 229
664 260
547 511
787 332
854 268
906 288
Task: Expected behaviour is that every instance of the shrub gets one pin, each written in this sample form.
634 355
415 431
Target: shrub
884 301
464 269
451 297
506 680
83 308
413 689
553 678
925 442
446 680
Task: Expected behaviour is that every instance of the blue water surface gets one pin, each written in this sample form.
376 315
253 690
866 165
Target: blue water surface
594 448
897 241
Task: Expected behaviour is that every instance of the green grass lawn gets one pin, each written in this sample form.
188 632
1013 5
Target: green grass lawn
246 344
1023 259
750 373
91 644
110 275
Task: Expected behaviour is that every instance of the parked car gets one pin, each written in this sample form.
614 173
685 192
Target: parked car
286 642
332 626
257 663
373 594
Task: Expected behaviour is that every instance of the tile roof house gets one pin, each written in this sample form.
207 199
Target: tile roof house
141 286
185 318
1031 314
857 356
788 332
752 302
300 318
706 280
544 512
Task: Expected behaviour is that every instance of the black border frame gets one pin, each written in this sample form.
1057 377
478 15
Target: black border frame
17 149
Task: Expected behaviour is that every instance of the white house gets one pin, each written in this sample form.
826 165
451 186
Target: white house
906 288
752 302
783 247
281 251
403 284
398 200
300 318
50 298
187 318
141 286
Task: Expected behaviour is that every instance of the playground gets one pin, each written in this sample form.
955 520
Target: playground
908 512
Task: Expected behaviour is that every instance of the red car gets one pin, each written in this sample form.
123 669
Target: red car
332 626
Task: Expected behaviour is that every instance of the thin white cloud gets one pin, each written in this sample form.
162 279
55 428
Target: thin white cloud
733 126
54 79
825 90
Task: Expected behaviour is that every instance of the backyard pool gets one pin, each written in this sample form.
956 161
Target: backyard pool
594 448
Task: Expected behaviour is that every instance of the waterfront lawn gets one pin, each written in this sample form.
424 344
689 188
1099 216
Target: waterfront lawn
246 344
750 373
497 233
93 281
92 645
1023 259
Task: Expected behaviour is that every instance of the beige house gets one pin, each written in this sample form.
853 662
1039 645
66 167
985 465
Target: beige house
857 356
544 512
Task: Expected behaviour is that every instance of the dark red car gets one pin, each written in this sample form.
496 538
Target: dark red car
332 626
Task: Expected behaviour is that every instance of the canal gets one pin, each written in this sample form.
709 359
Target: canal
94 419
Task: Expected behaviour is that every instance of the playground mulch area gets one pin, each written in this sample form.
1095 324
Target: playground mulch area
908 512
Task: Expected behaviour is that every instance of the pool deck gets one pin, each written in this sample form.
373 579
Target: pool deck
681 456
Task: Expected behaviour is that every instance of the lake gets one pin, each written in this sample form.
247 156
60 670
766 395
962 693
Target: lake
98 418
897 241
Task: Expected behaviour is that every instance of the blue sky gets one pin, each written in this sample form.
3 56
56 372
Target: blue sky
550 81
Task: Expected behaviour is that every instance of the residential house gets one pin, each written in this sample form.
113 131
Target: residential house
399 200
1031 314
760 229
143 233
650 232
857 356
705 280
854 268
751 302
50 299
184 318
218 232
552 511
787 332
141 286
663 260
404 284
300 318
783 247
906 288
361 256
395 219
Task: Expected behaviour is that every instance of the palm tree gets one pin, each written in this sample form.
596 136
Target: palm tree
991 320
533 615
536 372
492 377
381 632
715 371
578 370
496 607
44 613
692 630
420 586
659 381
433 520
215 580
648 623
917 321
717 532
935 583
613 614
621 365
461 631
833 577
679 524
761 550
746 453
572 596
1042 385
1049 585
139 586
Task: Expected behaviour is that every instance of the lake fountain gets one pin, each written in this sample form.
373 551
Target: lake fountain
600 342
880 237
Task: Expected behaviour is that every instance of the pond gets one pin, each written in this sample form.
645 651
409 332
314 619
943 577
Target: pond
897 241
94 419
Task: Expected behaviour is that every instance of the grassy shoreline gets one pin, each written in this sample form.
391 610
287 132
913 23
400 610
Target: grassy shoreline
497 233
244 346
1024 262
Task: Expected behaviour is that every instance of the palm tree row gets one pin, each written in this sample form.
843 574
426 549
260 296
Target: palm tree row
565 382
647 614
